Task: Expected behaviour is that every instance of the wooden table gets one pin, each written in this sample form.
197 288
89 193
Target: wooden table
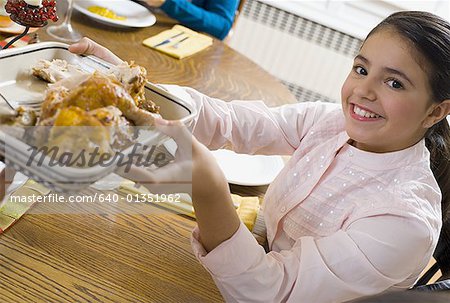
103 256
218 71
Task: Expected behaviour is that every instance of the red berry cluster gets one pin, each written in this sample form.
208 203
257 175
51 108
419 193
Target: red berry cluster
28 15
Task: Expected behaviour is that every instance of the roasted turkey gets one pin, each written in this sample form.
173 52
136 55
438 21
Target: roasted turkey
87 112
94 92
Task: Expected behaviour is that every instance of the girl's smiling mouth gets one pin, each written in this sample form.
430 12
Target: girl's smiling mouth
363 114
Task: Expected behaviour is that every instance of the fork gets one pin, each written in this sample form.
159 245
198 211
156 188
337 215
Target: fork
177 45
34 104
7 102
14 105
168 40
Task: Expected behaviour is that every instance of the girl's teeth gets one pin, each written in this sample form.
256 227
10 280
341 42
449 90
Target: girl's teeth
363 113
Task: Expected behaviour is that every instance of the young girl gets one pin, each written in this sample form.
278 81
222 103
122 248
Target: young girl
357 209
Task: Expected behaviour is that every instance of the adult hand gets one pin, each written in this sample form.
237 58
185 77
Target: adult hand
154 3
88 47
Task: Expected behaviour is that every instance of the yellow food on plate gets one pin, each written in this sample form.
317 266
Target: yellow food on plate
5 21
104 12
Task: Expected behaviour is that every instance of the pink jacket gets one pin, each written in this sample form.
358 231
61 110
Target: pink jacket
341 223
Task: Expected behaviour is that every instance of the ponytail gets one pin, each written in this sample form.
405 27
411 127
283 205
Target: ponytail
430 35
437 141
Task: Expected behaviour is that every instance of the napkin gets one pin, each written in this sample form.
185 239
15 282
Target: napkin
13 209
247 208
179 42
19 43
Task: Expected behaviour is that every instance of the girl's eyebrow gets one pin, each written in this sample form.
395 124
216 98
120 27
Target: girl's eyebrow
387 69
360 57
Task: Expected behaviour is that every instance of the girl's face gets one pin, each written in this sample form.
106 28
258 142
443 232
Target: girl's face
386 97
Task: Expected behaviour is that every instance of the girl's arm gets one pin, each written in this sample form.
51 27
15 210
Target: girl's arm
250 126
372 255
214 210
195 167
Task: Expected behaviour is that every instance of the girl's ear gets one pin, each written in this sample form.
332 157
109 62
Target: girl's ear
438 112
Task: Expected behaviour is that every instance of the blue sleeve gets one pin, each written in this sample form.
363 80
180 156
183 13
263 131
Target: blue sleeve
214 17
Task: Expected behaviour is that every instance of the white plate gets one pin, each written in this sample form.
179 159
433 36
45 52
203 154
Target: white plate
240 169
248 170
136 15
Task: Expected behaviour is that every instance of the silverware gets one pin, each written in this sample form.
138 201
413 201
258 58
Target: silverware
176 45
168 40
14 105
7 102
35 104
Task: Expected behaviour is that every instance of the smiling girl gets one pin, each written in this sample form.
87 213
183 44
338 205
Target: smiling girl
357 209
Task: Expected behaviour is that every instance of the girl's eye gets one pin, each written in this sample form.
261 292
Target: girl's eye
395 84
360 70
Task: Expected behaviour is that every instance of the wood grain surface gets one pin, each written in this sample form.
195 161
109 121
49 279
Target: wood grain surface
137 253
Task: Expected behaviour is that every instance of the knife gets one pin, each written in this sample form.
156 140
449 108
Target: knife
168 40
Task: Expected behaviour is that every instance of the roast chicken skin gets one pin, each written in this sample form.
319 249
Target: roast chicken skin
97 91
132 77
86 112
69 123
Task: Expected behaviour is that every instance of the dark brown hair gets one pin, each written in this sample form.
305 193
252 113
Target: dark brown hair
430 35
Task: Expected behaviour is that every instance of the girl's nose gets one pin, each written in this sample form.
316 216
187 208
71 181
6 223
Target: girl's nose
365 89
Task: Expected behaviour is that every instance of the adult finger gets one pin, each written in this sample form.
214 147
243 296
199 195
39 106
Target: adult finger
87 46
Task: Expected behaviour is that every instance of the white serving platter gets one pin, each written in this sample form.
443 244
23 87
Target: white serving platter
17 84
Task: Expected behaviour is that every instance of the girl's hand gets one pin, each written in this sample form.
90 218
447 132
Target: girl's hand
194 166
88 47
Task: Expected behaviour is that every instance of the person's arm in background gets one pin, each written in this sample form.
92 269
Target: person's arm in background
214 17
